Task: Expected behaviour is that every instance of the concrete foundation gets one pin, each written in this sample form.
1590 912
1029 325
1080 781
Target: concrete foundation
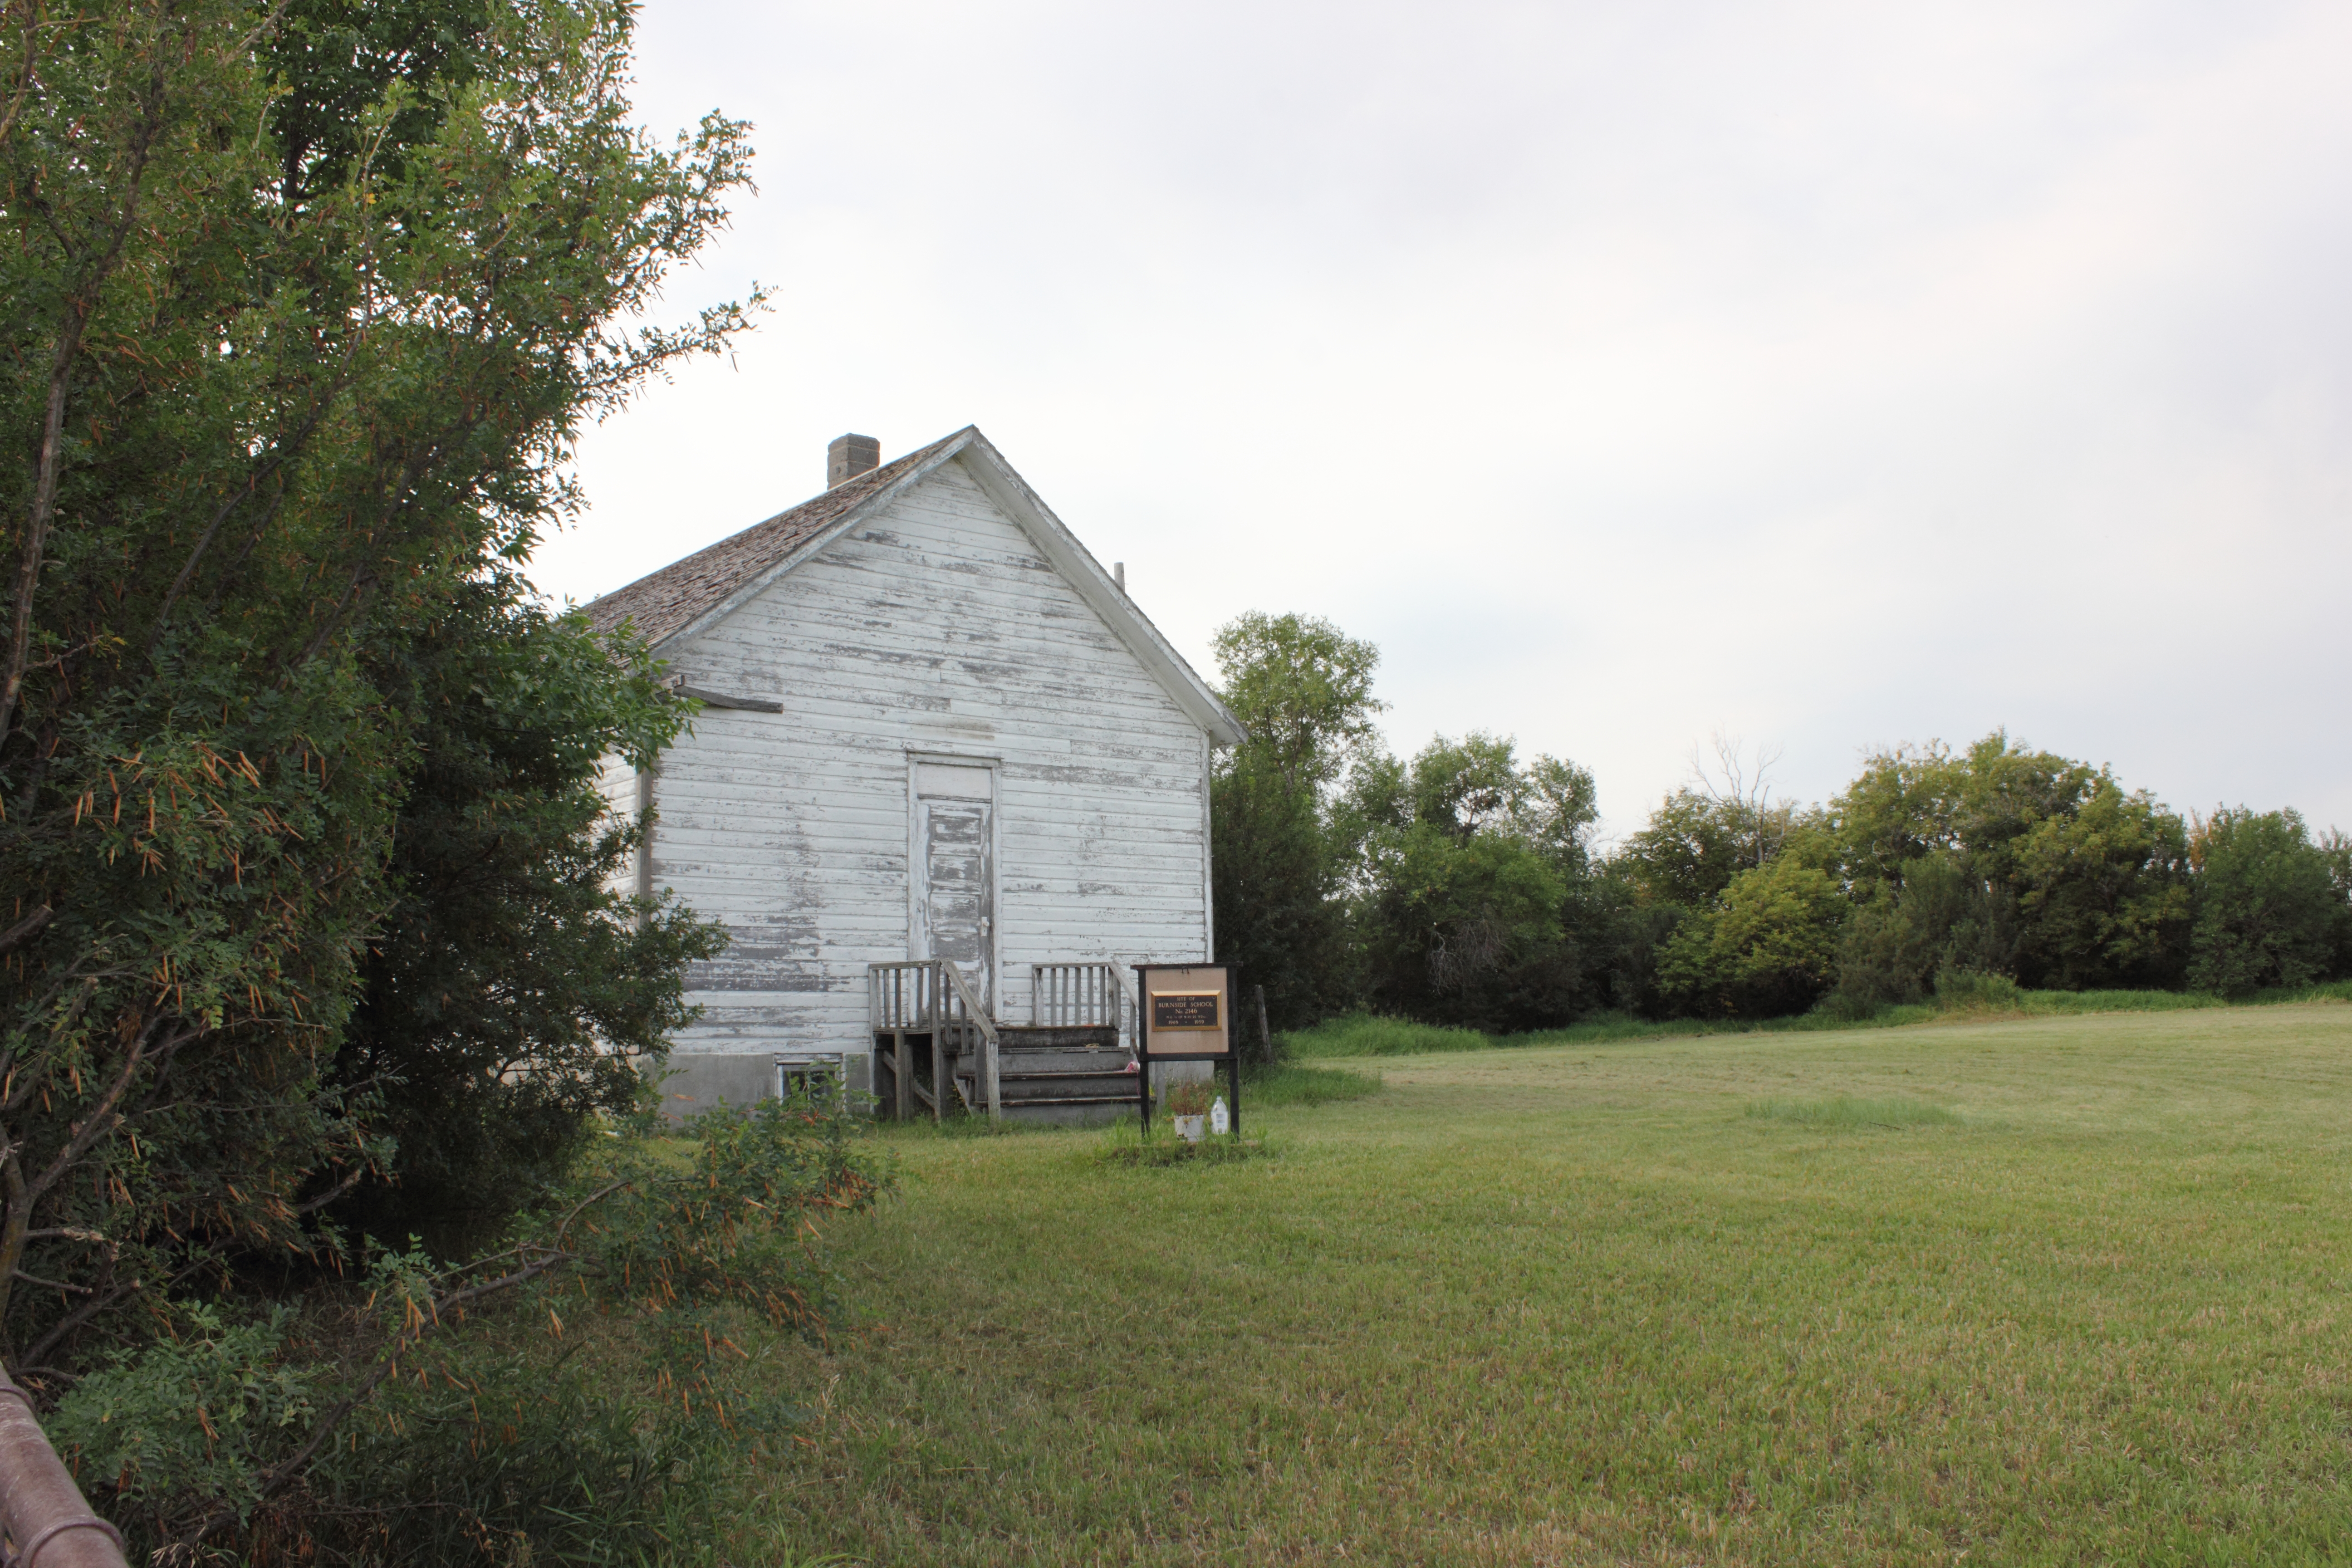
696 1081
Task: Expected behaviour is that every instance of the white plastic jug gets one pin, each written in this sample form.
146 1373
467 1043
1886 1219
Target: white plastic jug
1218 1118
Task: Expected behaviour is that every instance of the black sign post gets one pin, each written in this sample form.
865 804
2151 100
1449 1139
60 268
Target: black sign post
1189 1007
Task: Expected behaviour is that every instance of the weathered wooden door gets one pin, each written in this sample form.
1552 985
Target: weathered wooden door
953 896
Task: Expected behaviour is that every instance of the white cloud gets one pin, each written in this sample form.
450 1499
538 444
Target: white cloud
1833 374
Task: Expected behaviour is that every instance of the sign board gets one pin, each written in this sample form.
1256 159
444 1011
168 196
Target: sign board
1184 1012
1172 1010
1188 1010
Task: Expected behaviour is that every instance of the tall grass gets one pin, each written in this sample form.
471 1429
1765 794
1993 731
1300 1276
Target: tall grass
1363 1034
1128 1141
1973 998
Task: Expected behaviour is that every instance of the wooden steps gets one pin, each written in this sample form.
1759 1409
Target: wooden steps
1058 1075
936 1046
1062 1075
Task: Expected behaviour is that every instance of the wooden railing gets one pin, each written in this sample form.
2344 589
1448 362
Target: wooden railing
976 1016
931 996
902 995
1078 995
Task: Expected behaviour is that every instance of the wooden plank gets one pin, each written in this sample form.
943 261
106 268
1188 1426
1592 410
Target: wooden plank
904 1078
939 1076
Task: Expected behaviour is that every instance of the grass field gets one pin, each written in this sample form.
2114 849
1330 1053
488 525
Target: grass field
2051 1290
1987 999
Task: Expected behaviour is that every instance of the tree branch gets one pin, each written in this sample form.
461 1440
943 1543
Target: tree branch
313 1206
64 1327
52 1284
79 306
25 74
27 929
100 1118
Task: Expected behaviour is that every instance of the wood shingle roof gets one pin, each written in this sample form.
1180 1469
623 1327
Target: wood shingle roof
664 603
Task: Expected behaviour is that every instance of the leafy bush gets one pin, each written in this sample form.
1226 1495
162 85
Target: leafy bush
1770 946
502 1445
508 986
504 1452
1936 917
1969 990
204 1414
440 1415
1466 929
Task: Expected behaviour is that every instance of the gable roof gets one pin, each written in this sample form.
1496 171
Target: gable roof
663 604
690 595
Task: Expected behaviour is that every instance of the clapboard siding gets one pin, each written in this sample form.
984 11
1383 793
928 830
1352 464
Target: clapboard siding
934 626
616 781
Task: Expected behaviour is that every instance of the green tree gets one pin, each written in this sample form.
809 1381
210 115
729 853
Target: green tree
1275 881
1281 848
507 987
338 61
1687 853
1905 804
254 438
1467 931
1935 917
2103 897
1668 878
1303 689
2269 908
2335 846
1705 833
1768 946
1472 858
2046 869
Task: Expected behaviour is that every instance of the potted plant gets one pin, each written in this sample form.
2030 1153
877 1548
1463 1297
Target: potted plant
1188 1106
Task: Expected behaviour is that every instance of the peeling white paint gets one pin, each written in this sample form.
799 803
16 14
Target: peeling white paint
936 628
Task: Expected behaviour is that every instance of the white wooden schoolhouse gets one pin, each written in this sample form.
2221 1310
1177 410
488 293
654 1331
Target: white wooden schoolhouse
947 784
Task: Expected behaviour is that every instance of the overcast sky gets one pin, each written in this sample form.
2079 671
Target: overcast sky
1833 375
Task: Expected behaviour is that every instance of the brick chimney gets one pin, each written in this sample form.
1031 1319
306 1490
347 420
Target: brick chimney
850 455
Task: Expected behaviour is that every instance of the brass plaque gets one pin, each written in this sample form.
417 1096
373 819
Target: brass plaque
1185 1010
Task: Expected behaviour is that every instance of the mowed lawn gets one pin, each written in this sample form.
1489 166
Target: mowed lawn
1585 1305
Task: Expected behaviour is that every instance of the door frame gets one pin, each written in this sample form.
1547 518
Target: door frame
917 853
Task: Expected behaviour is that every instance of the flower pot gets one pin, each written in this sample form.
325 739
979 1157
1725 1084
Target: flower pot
1189 1128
